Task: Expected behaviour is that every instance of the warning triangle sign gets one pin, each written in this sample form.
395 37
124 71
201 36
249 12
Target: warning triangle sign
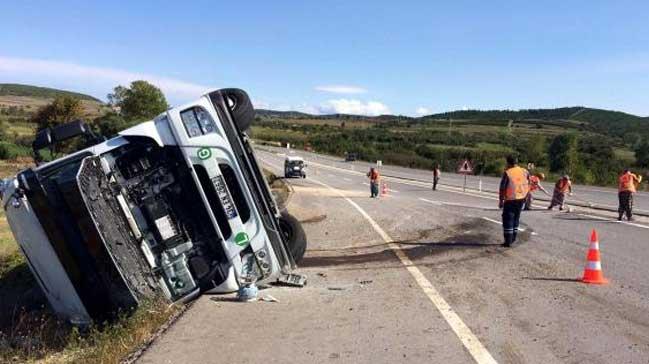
465 167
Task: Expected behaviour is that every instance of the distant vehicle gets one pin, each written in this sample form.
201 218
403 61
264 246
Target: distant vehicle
351 156
171 207
294 167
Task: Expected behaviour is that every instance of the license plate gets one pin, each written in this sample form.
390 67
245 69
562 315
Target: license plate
224 196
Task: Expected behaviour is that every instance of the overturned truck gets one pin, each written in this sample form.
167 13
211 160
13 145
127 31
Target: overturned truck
171 207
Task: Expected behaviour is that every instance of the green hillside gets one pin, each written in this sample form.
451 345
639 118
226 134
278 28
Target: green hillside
598 142
14 89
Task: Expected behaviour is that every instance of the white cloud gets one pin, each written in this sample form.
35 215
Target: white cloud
341 89
423 111
355 107
110 77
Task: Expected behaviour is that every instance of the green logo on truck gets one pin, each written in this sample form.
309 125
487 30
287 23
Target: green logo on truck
241 239
204 153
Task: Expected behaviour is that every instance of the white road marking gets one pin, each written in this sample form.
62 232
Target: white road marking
615 221
366 184
492 220
430 201
347 179
466 336
500 223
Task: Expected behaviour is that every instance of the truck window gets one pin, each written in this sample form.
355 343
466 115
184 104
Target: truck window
197 122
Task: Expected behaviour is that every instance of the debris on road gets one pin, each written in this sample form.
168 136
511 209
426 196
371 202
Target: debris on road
292 280
247 293
268 298
365 282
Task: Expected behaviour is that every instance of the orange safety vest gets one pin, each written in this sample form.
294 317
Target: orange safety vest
627 182
534 183
374 175
563 185
519 184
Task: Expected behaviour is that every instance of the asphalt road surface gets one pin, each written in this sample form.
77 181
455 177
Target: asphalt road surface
419 276
600 196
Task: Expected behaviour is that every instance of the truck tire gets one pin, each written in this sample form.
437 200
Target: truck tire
294 234
240 106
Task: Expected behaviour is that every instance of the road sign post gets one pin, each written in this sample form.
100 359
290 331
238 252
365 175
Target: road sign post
465 168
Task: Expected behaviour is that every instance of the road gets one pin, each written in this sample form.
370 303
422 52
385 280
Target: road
600 196
418 276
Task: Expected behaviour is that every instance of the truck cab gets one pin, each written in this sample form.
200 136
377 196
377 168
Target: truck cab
171 207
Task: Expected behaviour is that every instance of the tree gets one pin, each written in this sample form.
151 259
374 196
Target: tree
632 139
138 102
642 154
563 153
110 124
59 111
536 150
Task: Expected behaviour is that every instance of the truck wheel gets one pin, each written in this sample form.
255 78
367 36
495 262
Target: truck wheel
294 234
240 106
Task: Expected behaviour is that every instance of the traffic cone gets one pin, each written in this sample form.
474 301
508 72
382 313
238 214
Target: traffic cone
384 189
593 270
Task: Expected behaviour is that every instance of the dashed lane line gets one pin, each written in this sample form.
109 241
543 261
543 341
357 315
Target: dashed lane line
500 223
466 336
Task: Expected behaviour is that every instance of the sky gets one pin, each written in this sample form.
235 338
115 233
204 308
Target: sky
359 57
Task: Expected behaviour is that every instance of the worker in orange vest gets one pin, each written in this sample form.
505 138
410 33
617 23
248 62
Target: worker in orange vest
437 172
627 185
562 188
535 184
514 188
373 174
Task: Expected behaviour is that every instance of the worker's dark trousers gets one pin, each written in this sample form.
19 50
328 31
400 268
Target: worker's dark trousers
626 204
374 189
435 181
511 219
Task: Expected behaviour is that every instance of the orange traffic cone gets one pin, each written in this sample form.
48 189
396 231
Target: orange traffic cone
593 270
384 189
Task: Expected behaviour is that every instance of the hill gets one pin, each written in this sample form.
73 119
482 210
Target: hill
605 139
14 89
19 102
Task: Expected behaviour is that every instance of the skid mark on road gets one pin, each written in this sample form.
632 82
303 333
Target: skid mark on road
466 336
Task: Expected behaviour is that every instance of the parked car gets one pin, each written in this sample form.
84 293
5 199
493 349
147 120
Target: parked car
294 166
171 207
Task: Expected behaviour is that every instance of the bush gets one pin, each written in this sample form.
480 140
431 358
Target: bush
13 151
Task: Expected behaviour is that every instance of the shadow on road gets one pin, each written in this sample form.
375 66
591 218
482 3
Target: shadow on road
552 279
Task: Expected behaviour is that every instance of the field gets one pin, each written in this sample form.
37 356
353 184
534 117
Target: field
486 138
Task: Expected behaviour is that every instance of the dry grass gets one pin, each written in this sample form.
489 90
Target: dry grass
91 109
